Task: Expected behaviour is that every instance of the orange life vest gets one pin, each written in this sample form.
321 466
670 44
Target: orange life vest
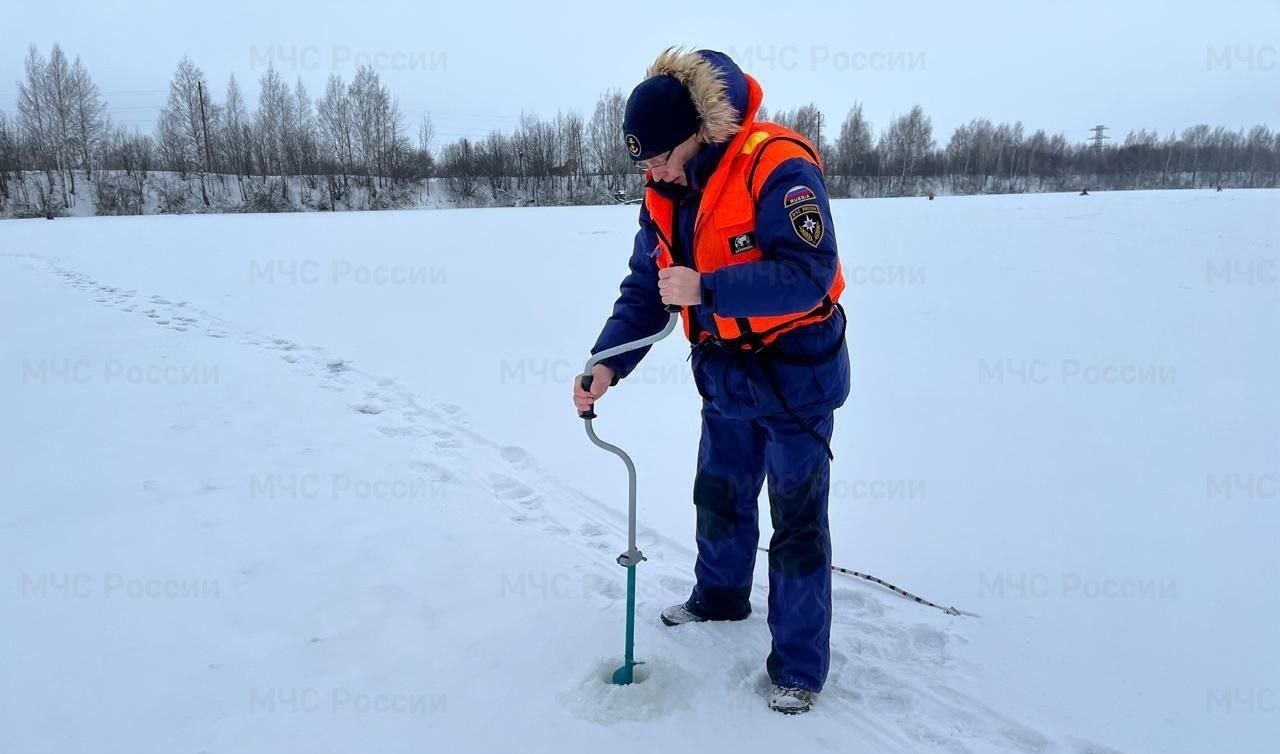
728 212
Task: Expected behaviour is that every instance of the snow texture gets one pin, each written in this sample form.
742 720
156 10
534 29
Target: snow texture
312 482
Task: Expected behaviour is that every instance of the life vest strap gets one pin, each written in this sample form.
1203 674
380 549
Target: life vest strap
766 359
759 155
755 342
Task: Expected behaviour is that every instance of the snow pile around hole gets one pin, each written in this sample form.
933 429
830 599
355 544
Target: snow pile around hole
661 687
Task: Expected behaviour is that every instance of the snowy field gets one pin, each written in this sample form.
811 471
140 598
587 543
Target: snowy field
313 482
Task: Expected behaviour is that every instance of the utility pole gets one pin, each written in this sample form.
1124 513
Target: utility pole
1098 137
208 153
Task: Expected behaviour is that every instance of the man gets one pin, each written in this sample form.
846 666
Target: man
736 230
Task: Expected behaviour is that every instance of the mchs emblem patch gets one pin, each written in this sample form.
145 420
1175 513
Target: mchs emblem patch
807 223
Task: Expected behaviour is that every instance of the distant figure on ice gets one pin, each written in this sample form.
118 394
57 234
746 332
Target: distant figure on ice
736 229
1084 191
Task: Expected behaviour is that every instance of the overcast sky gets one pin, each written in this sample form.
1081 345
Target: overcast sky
475 66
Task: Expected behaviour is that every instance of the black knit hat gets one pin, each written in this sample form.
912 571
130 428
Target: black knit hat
660 115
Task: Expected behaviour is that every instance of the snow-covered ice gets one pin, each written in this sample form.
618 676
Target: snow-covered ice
313 482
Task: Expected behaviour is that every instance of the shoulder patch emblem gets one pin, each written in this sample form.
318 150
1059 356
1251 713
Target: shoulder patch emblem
807 223
633 145
798 195
742 243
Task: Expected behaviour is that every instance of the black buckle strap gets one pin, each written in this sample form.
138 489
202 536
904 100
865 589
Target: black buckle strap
766 368
765 360
754 342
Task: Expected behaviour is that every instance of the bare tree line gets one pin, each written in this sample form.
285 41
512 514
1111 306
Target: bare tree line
59 124
350 148
982 157
565 160
352 137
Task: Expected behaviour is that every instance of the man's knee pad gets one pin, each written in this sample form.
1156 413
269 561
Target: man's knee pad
716 499
800 538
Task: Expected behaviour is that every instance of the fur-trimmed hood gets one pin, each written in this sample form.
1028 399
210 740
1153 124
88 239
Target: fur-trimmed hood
721 92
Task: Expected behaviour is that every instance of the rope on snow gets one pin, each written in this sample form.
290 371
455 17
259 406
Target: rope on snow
897 590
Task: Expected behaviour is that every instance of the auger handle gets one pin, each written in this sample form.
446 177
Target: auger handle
590 413
588 378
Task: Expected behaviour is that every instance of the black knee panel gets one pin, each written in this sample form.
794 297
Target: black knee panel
716 499
801 543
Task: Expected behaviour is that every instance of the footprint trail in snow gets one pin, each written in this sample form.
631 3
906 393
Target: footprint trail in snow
893 668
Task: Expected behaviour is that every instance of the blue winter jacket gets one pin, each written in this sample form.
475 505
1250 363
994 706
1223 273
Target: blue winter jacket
808 371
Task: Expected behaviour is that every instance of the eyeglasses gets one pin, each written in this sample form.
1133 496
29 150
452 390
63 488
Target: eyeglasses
651 163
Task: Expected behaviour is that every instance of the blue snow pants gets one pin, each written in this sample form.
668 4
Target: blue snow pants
735 457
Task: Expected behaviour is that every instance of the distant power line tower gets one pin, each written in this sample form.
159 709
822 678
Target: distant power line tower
1098 137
